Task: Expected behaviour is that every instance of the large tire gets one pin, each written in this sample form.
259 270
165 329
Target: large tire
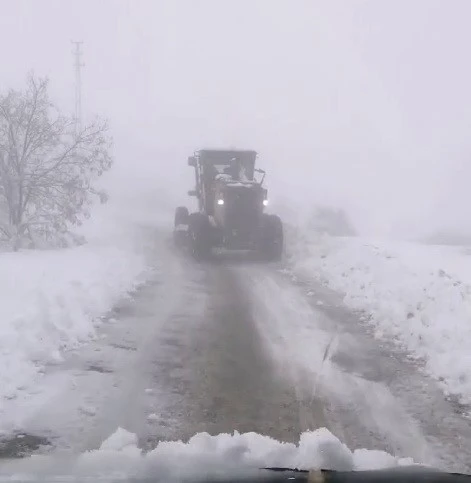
182 216
271 242
199 231
180 232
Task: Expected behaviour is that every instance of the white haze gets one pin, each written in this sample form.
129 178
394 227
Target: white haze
362 104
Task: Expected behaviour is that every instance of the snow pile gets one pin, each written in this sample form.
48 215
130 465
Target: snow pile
417 294
203 456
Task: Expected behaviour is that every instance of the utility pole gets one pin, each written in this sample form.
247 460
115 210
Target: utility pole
78 86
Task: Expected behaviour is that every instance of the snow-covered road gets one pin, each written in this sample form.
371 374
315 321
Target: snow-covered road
371 393
231 345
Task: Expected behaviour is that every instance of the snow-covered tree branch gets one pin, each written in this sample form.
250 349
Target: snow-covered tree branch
47 170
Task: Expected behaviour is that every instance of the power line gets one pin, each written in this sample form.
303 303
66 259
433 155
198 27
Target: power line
78 85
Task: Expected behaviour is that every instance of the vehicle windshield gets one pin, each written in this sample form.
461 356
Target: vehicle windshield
234 234
222 168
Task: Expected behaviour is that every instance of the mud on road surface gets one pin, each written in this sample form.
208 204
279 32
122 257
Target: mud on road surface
235 346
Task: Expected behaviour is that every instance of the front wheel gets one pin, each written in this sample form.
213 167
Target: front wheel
182 216
199 231
271 240
180 230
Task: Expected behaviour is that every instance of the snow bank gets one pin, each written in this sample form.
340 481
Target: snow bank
203 456
50 301
53 300
419 295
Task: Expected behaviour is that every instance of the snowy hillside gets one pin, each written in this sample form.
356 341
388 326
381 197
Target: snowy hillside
416 294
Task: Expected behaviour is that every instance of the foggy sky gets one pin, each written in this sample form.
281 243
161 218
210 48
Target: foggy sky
363 104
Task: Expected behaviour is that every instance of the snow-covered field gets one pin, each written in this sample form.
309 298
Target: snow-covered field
415 294
53 300
203 455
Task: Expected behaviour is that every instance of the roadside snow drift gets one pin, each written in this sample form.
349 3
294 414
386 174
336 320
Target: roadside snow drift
203 456
416 294
52 300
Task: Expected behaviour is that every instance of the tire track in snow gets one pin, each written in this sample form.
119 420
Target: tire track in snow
446 425
235 386
362 411
222 347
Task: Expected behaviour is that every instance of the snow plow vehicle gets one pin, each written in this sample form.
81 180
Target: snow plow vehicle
231 203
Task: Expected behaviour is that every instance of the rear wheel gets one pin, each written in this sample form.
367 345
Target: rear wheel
199 232
271 243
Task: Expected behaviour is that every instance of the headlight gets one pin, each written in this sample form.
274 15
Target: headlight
265 202
220 201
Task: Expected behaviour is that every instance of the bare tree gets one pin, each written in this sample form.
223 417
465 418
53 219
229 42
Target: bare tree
46 169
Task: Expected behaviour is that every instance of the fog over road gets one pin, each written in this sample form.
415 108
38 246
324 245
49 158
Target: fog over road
234 345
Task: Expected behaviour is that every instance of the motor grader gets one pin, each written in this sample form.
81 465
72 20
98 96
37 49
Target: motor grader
231 202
